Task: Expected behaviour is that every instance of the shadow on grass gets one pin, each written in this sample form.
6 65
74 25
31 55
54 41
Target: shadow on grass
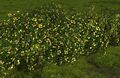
107 64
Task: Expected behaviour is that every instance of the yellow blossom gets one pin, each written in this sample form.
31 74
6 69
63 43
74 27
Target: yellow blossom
34 19
40 26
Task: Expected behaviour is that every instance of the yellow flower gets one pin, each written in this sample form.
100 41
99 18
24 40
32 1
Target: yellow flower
1 62
18 62
34 19
18 11
40 26
98 28
9 14
65 51
36 46
94 44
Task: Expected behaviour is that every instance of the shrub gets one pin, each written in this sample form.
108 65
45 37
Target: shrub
50 34
113 23
95 30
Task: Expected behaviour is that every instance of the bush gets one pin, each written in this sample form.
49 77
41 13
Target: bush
95 31
50 34
113 23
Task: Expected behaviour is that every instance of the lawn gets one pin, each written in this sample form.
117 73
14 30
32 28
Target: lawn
100 65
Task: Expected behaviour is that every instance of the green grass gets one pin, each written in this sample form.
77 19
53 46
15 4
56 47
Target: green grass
94 66
80 69
110 59
7 6
107 63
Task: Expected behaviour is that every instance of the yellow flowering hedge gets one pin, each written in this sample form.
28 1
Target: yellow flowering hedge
113 24
50 34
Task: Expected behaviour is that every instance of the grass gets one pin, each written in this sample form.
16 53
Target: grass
107 63
7 6
94 66
111 58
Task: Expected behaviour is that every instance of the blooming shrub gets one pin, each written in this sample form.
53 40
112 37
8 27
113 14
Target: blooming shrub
96 36
50 34
113 24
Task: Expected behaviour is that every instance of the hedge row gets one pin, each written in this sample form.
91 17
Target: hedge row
54 34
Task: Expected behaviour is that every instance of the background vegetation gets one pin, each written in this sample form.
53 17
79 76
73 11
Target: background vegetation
98 65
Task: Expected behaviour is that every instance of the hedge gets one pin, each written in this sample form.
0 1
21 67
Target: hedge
53 34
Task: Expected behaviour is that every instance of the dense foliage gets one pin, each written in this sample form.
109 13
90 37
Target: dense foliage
53 34
113 25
